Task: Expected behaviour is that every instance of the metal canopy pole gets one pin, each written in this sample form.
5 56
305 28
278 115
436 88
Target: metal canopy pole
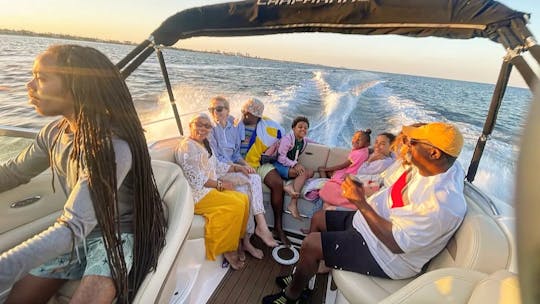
133 53
169 89
526 71
137 62
491 118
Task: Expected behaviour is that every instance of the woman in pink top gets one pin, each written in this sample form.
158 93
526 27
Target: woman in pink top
331 191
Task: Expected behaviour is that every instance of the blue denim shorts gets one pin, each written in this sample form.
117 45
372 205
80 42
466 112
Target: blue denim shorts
95 262
282 170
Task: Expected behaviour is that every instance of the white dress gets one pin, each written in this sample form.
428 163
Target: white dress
199 167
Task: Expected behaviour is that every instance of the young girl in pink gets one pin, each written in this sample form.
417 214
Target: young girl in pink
331 191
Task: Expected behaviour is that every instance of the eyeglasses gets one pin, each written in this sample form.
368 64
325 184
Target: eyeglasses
413 142
217 109
203 125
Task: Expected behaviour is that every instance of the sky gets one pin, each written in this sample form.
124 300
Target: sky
133 20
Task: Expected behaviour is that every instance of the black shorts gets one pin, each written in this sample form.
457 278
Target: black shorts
345 248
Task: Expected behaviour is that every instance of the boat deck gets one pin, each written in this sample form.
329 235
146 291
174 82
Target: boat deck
256 280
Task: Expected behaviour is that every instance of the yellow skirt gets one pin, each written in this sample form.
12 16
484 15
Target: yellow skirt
226 215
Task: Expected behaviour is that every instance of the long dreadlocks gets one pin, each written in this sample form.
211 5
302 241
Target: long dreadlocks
103 107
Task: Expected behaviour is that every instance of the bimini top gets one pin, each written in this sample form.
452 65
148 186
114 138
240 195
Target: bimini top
442 18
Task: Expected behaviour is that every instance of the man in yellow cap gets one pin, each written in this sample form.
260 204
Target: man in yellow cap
398 229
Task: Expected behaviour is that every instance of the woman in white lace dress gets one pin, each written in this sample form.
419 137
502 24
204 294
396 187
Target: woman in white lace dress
225 210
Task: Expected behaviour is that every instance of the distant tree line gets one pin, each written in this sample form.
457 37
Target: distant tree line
60 36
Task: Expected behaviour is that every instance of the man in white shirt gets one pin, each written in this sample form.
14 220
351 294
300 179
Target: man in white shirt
399 229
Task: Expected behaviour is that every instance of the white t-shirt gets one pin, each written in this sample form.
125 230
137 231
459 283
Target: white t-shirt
423 227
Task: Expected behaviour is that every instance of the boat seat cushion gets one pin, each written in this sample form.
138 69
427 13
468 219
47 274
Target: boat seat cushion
478 245
164 149
197 227
337 156
500 287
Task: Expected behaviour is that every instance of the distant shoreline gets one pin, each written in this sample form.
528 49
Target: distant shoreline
61 36
125 42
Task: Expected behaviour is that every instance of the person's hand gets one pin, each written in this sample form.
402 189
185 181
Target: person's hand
353 192
227 185
376 156
245 169
299 169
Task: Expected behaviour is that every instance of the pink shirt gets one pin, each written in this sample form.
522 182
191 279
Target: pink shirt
357 158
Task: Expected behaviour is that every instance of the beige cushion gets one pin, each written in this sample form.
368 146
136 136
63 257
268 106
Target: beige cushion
164 149
176 194
337 156
500 287
196 231
314 156
358 288
447 285
479 244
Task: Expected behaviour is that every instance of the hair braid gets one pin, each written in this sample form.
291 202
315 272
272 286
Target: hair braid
104 108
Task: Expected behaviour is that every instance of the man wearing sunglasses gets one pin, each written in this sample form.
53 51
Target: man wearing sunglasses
397 230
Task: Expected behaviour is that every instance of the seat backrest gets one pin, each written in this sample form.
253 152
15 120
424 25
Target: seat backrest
314 156
337 156
176 195
164 149
479 244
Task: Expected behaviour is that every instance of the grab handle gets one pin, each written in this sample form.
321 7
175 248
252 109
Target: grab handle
25 202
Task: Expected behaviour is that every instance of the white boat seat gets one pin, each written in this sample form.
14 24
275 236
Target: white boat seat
453 285
176 195
164 150
500 287
479 245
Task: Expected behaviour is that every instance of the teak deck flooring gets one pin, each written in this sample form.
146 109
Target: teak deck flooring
256 280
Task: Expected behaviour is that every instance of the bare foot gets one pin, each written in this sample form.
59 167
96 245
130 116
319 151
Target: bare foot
290 191
282 237
232 258
266 236
241 253
294 210
255 252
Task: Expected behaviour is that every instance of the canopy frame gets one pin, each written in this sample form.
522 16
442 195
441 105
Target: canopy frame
263 17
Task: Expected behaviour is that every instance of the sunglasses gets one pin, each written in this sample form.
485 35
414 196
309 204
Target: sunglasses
413 142
203 125
217 109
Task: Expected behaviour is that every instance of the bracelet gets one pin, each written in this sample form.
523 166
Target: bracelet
219 185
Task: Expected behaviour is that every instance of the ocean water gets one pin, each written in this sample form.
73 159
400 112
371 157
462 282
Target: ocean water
337 101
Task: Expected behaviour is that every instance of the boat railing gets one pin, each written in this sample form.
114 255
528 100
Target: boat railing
478 196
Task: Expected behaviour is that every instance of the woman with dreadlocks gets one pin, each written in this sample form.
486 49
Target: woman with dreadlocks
112 228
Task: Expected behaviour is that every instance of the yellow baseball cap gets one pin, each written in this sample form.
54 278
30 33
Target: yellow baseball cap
443 136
